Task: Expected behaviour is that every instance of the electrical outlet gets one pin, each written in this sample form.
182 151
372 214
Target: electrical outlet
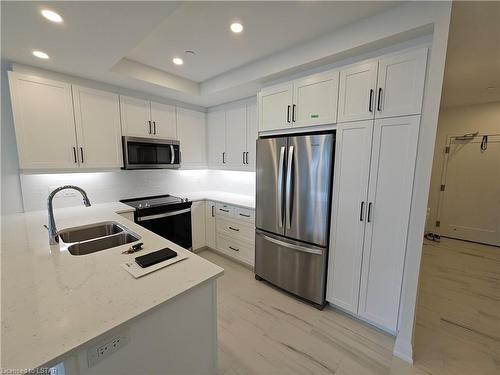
106 347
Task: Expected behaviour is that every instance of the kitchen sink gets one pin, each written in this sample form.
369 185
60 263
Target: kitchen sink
88 239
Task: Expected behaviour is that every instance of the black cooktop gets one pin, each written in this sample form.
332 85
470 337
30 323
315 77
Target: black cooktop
154 201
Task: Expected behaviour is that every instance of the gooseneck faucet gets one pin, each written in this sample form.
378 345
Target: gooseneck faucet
53 236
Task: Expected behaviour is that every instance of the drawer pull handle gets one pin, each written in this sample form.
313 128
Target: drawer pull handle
235 229
221 209
244 215
233 248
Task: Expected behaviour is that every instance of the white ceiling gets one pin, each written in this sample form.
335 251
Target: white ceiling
473 55
269 27
97 36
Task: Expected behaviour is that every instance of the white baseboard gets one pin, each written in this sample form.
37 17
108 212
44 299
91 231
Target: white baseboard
403 350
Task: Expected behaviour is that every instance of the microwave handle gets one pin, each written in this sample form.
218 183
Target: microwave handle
172 160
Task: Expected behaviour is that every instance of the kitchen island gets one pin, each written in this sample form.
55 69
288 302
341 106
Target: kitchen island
58 307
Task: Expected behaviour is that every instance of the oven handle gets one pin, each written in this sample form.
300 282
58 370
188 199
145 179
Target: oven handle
165 214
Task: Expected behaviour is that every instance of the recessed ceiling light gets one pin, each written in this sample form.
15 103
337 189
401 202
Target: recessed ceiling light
52 16
40 55
236 27
177 61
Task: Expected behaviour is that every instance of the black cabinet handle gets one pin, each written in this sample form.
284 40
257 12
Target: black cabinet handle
223 158
369 216
154 127
243 157
244 215
246 157
288 114
74 155
235 229
223 210
293 113
81 153
213 213
379 98
149 122
371 101
361 214
233 248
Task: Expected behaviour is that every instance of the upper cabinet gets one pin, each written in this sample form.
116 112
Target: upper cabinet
231 137
142 118
191 130
98 132
55 132
305 102
357 92
44 123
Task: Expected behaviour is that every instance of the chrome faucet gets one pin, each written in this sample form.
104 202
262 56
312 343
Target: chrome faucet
53 236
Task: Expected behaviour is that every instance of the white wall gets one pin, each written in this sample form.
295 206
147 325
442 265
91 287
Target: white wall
453 121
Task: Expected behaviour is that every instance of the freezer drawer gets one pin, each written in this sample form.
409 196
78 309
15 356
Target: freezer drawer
291 265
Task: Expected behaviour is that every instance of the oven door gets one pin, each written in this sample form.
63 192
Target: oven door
172 225
146 153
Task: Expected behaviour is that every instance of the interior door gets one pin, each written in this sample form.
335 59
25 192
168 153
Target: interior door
270 184
470 202
315 99
136 117
401 84
357 92
308 188
97 118
276 107
236 127
390 188
350 190
44 122
216 129
164 121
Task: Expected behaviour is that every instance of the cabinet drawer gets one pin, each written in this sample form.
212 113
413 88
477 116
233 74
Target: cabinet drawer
236 249
224 210
244 214
236 229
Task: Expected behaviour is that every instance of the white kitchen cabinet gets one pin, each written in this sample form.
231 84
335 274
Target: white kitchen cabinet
191 129
136 117
210 229
164 121
357 92
198 224
216 135
401 84
389 197
373 184
97 119
352 168
275 110
315 99
236 125
251 154
44 122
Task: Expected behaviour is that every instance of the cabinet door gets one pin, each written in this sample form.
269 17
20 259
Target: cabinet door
97 118
251 136
191 129
275 107
136 117
357 92
216 133
389 196
164 121
315 99
210 225
352 167
44 122
198 224
401 84
236 142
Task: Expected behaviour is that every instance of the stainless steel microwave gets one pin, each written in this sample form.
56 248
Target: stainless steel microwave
148 153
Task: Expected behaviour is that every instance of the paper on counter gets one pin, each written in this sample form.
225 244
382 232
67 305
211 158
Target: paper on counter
137 271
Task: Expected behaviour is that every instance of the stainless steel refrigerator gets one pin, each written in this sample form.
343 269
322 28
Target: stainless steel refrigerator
294 180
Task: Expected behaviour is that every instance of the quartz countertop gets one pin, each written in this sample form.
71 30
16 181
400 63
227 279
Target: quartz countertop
54 302
246 201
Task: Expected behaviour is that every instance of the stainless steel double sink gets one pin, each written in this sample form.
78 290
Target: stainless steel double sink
90 238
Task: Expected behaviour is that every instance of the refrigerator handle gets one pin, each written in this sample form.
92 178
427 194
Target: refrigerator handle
279 193
289 189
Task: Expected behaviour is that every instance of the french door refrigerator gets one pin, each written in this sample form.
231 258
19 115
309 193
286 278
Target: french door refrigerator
292 219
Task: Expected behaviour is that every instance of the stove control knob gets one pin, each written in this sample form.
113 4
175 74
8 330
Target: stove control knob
146 205
140 205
